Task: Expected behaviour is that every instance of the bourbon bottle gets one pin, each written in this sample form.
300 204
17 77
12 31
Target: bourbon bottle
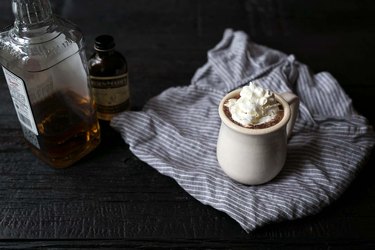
109 78
45 67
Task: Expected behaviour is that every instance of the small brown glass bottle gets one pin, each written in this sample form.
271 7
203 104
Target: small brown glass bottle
109 78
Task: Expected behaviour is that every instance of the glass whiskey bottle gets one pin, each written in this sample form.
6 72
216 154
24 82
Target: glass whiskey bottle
109 78
44 64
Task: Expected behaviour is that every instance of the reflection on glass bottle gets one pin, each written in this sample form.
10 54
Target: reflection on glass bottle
45 66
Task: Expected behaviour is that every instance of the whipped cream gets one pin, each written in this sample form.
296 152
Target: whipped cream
254 107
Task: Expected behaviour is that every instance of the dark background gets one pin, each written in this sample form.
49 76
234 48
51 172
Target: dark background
111 199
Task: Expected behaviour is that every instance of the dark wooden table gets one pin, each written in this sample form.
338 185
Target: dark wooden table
112 199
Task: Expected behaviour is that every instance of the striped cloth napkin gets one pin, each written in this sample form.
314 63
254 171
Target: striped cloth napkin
176 133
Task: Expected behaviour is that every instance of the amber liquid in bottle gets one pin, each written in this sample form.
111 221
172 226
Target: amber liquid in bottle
67 127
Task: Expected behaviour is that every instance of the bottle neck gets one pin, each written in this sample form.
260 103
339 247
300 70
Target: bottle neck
103 53
31 14
104 45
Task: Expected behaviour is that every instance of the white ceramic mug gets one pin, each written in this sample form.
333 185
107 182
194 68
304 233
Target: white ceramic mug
255 156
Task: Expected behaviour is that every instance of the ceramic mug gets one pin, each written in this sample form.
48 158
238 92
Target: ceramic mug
255 156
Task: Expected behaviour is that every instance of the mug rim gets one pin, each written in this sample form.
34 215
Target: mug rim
258 131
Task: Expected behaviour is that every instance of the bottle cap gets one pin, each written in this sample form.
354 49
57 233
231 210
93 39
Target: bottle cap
104 42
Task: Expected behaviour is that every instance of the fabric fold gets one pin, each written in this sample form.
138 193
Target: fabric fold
176 133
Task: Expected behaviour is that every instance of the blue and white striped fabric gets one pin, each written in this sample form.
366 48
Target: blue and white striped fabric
176 134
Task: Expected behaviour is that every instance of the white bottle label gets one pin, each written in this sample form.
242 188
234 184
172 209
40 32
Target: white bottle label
21 101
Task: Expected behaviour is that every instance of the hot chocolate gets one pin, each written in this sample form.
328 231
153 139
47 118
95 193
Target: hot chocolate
255 126
254 108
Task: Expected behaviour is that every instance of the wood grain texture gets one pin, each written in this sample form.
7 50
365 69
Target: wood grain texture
112 199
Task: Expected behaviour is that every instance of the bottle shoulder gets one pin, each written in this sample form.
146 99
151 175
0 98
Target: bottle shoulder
69 29
109 56
107 64
45 32
44 46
